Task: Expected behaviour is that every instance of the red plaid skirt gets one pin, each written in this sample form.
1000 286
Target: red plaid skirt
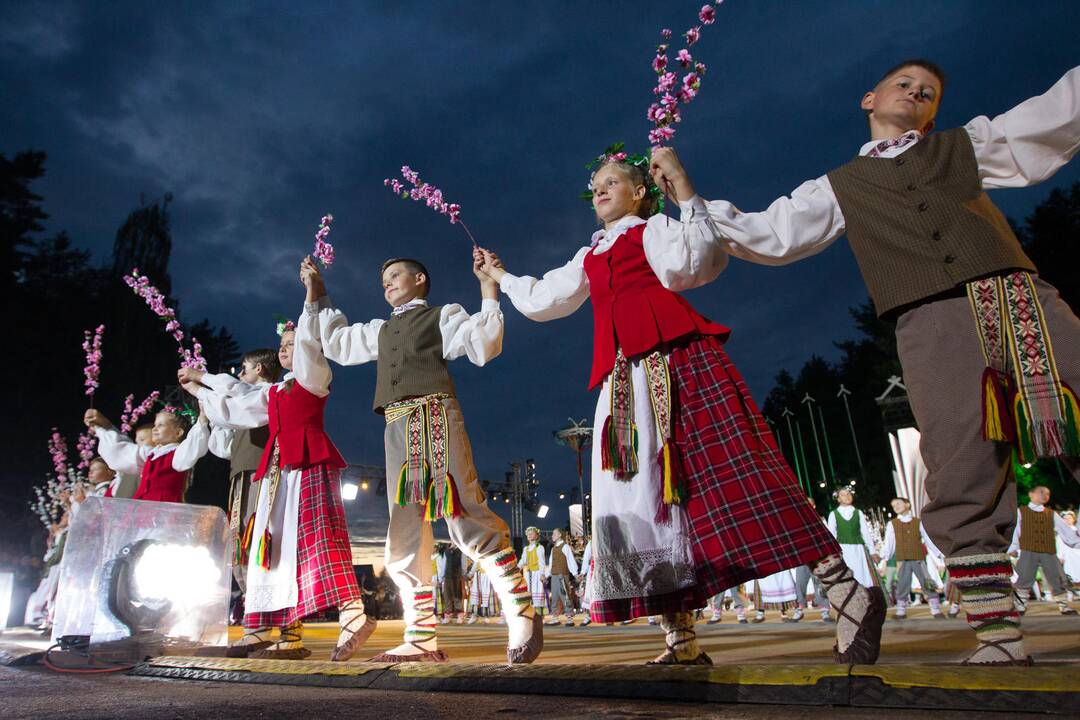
748 517
324 570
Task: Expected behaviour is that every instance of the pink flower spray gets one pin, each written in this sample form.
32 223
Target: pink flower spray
92 347
324 251
431 195
132 414
156 301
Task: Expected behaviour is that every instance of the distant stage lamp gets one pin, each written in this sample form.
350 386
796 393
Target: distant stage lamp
349 491
542 512
150 582
7 585
364 485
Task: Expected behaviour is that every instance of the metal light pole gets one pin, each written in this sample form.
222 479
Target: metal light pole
843 395
799 470
809 403
577 436
828 451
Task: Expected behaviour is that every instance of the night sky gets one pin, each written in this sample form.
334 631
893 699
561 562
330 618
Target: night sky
261 117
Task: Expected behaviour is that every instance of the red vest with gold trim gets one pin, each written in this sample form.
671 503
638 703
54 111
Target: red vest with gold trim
631 307
296 424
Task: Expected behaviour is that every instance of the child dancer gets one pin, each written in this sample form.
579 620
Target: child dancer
690 494
907 541
299 562
941 260
102 478
1034 540
850 528
429 465
585 583
164 468
1070 556
243 449
533 564
561 566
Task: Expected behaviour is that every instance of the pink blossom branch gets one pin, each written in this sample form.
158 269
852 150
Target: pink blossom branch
324 251
665 113
92 347
156 301
431 195
132 414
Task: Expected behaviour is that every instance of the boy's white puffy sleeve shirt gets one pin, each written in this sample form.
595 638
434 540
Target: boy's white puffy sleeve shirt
248 407
477 337
684 254
221 439
1020 147
223 383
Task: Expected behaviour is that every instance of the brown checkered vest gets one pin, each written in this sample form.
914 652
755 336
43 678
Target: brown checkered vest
908 540
1037 530
920 224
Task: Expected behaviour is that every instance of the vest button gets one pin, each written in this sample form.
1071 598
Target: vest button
911 186
900 161
936 235
949 259
924 206
393 382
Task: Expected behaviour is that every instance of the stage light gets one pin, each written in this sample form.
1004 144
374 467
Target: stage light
507 500
542 512
364 485
821 485
587 496
1027 466
852 482
349 491
562 496
7 584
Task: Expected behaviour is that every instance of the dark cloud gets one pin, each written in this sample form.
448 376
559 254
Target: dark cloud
260 117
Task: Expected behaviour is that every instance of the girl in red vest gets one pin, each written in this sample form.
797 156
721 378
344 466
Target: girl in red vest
690 494
299 559
163 467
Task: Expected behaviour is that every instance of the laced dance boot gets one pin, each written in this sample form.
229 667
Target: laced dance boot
860 612
253 639
356 628
290 645
525 626
420 642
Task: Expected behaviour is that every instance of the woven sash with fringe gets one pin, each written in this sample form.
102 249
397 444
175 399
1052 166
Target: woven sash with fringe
619 438
424 478
242 543
1024 400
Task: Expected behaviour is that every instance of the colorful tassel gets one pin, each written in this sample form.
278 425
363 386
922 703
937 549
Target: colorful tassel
451 499
243 542
402 497
431 507
1025 442
997 421
262 555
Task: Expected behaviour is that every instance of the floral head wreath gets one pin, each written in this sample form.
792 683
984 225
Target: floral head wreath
183 410
617 154
284 325
845 488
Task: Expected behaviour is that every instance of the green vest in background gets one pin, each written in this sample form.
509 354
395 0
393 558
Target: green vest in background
848 531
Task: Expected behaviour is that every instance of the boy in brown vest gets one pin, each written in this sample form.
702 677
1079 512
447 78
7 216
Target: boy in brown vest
1035 540
907 541
429 464
561 566
941 260
243 449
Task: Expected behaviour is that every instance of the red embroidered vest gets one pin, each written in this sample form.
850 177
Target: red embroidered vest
160 482
296 423
631 307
